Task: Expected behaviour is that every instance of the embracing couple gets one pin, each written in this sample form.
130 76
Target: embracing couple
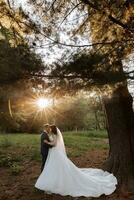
60 175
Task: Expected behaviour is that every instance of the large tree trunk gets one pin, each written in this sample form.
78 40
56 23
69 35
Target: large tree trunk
120 125
118 108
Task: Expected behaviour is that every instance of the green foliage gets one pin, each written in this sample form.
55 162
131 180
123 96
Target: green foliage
18 63
16 21
69 113
25 63
85 70
80 113
99 66
8 124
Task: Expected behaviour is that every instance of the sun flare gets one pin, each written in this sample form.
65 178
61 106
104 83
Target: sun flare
43 103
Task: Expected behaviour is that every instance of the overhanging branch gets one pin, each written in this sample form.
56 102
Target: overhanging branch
84 45
73 76
110 17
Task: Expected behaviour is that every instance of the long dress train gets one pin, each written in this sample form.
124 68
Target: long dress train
61 176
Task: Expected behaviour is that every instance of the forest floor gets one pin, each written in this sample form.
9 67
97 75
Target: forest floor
20 165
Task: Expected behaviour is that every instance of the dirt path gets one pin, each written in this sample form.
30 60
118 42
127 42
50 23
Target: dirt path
21 187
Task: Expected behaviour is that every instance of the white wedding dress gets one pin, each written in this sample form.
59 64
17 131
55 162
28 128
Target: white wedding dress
61 176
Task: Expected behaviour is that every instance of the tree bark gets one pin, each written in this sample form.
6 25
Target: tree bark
120 126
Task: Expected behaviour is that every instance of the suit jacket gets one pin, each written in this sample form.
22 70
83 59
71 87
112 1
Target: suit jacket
45 147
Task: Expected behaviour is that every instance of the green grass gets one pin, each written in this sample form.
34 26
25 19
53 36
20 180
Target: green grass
20 159
28 145
82 142
19 140
91 133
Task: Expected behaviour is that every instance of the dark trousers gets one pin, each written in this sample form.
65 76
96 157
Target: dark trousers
43 162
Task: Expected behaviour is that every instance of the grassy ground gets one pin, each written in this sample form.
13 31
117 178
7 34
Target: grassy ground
20 162
76 143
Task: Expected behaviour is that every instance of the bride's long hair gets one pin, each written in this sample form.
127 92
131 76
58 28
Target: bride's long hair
54 129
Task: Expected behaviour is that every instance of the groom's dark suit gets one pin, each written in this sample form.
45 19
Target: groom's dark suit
44 148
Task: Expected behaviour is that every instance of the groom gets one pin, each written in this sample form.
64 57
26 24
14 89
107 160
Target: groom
44 146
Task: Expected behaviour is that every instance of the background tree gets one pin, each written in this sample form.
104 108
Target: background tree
78 113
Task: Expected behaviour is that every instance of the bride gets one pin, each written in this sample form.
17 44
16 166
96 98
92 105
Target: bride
61 176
